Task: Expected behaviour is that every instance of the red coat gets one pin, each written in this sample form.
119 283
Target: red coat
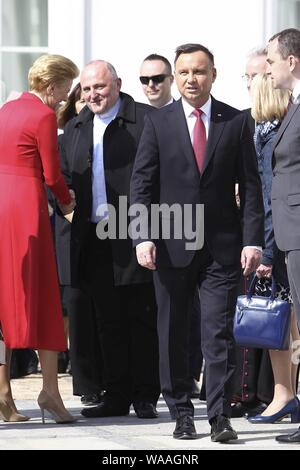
30 306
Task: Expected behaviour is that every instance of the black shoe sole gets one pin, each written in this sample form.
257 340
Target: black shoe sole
224 436
91 403
146 417
185 437
288 442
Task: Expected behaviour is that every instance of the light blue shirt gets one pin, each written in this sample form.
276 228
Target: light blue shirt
101 121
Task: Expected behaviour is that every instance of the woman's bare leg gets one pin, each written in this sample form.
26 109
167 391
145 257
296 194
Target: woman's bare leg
284 374
8 409
49 399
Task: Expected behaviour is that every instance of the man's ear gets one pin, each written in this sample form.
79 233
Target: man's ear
119 83
214 73
293 62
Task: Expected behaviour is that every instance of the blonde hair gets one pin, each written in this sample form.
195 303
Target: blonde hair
51 68
268 103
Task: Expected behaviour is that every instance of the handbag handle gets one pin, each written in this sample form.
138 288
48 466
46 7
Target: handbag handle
253 284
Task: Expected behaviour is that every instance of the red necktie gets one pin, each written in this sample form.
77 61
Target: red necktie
199 139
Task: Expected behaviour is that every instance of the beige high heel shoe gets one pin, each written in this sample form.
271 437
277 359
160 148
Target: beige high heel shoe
9 413
59 414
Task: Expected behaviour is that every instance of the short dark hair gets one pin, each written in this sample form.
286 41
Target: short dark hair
187 48
162 58
288 42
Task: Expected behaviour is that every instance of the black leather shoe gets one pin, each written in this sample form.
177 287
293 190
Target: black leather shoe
92 398
105 409
185 428
145 410
221 430
289 438
240 409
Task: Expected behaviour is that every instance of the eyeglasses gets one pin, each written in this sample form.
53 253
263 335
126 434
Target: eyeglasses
155 79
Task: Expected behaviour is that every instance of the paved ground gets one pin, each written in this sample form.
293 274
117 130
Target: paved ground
122 433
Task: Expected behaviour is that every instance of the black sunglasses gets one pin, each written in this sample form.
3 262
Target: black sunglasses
155 79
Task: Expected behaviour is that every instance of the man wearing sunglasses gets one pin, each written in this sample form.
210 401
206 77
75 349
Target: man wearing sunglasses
156 78
190 154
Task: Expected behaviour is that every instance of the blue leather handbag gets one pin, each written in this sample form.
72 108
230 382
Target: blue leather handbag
262 322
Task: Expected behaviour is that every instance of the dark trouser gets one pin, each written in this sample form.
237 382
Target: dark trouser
196 356
175 289
23 362
85 350
126 319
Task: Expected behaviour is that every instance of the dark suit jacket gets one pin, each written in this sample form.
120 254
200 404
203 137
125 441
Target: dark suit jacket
119 149
165 154
251 121
286 182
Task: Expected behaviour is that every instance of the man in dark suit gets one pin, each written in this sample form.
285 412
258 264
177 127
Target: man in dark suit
284 66
97 154
166 171
157 79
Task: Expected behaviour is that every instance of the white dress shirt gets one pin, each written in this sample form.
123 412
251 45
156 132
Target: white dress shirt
191 118
101 121
296 93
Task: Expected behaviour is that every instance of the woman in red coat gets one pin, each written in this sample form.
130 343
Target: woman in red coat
30 306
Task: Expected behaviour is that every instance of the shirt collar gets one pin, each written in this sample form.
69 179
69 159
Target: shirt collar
296 92
169 102
111 113
188 109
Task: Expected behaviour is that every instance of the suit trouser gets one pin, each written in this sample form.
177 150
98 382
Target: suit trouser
85 350
196 356
126 318
175 289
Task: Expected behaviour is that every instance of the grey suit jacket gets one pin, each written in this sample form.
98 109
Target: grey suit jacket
286 182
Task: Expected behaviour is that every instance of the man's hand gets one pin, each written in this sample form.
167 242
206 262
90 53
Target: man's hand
250 260
68 208
146 255
264 270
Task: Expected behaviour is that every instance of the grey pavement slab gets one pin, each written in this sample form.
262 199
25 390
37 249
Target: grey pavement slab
130 433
